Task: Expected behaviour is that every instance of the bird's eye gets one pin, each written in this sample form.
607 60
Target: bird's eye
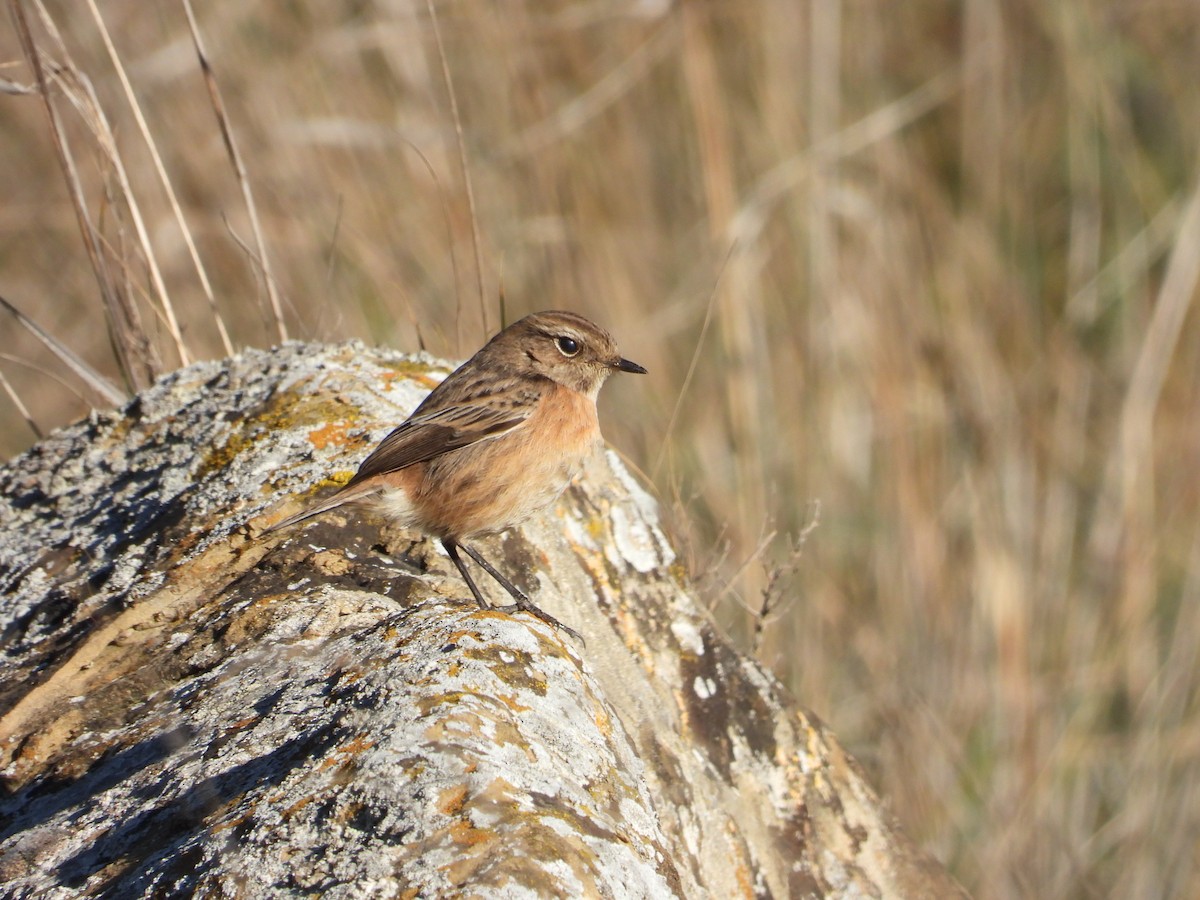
566 346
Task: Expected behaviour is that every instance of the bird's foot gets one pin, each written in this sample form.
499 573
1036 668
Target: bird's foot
526 605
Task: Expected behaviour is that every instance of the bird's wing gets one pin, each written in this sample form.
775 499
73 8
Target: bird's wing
425 436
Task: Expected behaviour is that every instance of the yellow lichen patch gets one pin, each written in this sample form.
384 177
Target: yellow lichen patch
410 368
510 700
296 807
332 433
341 755
447 698
351 675
679 573
232 823
452 800
506 732
339 477
463 869
286 410
742 865
467 835
596 528
419 377
513 667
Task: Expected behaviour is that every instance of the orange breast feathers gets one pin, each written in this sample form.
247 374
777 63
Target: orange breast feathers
570 417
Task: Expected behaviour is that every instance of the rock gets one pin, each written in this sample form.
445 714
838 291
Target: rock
188 707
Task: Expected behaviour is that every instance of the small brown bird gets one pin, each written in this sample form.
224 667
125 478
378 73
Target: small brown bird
494 443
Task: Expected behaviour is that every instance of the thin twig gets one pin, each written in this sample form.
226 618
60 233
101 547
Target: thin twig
164 180
466 170
773 592
244 246
235 159
732 580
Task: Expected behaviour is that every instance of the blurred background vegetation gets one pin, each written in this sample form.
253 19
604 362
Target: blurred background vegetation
920 274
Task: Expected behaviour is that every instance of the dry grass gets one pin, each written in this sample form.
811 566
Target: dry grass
958 312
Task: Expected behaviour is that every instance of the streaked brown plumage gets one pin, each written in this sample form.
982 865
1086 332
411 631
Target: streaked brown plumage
495 442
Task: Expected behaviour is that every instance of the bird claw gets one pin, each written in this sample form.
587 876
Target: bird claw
527 606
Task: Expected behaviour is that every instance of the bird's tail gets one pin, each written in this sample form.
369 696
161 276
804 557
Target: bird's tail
348 494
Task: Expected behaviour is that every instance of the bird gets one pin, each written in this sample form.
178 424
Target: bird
494 443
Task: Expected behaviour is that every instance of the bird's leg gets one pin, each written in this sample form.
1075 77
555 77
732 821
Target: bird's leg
517 594
522 601
452 552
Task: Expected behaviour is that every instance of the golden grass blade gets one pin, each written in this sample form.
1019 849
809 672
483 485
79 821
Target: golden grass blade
448 222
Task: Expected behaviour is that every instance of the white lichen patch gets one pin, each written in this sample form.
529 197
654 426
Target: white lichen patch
633 542
687 632
576 532
646 537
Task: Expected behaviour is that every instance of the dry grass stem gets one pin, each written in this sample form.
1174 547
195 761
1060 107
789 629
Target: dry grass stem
123 320
235 159
22 409
164 180
464 169
107 392
691 370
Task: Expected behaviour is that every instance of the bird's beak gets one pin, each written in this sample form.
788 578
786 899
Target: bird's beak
627 366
